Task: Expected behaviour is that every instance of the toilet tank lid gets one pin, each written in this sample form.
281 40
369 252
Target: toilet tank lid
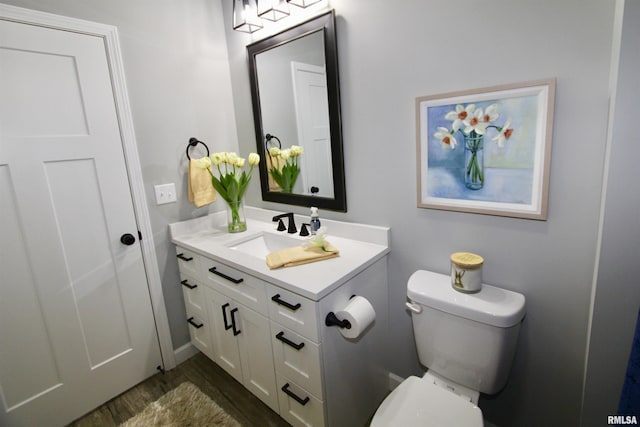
493 306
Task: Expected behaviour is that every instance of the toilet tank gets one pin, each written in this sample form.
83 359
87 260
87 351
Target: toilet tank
469 339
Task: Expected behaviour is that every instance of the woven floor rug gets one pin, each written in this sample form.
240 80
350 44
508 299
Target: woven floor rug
184 406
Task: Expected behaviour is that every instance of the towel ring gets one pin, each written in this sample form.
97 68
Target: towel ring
268 140
192 143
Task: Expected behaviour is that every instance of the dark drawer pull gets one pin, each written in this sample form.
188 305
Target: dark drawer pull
280 336
188 285
277 300
215 271
190 320
184 258
292 395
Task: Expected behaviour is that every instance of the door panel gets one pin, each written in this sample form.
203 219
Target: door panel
76 322
92 273
26 351
257 358
226 350
312 120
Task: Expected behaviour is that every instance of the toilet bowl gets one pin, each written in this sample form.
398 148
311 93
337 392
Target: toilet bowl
419 402
467 342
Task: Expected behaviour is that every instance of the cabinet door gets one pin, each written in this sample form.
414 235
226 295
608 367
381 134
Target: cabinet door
226 351
255 353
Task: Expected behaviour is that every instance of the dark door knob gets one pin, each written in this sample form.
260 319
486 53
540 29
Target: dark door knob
127 239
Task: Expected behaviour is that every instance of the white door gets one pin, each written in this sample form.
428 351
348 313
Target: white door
76 323
312 119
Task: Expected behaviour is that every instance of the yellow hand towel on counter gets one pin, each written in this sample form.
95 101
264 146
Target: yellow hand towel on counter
298 255
200 188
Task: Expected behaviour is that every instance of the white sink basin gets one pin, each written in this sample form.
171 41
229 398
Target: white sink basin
260 245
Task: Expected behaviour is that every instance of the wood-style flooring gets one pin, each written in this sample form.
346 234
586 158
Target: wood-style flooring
199 370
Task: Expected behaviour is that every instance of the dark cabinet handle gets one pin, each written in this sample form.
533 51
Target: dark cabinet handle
292 395
188 285
227 326
215 271
184 258
280 336
190 320
277 300
233 322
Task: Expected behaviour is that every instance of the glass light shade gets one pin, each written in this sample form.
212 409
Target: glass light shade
273 10
302 3
245 16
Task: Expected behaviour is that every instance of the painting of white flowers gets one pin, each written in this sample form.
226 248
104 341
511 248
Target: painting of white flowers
487 150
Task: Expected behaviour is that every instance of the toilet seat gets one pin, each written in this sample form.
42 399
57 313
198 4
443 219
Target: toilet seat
421 403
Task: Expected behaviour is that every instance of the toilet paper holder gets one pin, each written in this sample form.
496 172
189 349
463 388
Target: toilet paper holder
332 319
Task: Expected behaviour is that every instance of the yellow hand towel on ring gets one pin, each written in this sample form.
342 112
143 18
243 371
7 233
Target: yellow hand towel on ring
298 255
200 188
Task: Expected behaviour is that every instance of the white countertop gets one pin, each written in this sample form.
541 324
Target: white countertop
359 245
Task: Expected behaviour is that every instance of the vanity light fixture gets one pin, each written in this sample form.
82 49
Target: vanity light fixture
302 3
273 10
245 16
248 14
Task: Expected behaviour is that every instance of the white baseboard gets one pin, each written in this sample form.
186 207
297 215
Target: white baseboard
184 352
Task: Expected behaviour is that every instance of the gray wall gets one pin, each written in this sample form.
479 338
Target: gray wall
617 295
276 86
392 52
177 72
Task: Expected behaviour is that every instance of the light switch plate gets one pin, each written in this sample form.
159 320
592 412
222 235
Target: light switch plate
165 193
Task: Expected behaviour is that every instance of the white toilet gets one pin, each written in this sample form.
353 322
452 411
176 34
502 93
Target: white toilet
467 342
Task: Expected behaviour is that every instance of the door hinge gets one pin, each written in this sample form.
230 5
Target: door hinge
139 235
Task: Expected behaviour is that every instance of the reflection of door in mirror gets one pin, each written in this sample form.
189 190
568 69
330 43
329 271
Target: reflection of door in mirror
312 120
295 108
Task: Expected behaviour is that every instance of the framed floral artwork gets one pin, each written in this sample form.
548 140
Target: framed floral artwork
486 150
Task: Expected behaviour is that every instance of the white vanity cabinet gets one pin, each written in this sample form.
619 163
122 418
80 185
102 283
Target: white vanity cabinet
267 327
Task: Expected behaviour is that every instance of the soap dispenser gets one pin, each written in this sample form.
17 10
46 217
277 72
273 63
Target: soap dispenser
315 220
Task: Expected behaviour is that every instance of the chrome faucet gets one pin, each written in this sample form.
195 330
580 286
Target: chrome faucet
292 225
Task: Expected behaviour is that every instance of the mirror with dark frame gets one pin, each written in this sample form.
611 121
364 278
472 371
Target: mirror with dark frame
296 109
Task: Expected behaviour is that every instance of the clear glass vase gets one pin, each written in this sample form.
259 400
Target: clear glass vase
236 221
474 161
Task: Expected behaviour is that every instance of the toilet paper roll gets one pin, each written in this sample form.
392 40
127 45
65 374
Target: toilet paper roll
360 313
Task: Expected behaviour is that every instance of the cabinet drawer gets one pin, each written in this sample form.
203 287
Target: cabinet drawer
293 311
297 358
200 333
188 262
297 406
242 287
194 299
